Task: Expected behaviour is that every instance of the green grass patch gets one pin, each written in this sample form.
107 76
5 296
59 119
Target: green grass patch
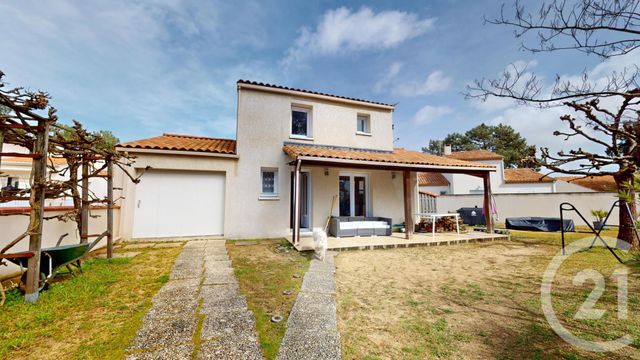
93 315
265 270
431 338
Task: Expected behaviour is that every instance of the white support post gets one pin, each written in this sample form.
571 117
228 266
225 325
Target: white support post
296 203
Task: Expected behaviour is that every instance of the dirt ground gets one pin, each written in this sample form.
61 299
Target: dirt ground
463 301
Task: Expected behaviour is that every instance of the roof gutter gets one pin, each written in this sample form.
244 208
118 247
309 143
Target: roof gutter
314 96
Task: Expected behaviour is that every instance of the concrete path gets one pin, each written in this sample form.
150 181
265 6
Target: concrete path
199 313
312 331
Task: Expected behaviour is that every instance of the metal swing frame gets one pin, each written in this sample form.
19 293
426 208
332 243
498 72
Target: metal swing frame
565 206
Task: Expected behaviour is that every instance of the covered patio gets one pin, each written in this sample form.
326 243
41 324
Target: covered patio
399 161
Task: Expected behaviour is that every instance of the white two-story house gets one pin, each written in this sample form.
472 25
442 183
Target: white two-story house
299 157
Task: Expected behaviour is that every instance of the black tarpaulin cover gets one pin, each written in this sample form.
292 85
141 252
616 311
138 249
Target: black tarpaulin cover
538 224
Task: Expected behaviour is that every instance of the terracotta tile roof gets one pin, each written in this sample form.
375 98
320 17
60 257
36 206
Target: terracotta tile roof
525 176
597 183
397 156
475 155
21 160
428 193
249 82
432 179
184 143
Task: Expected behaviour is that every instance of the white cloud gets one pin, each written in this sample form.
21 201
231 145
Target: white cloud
389 77
430 113
343 30
437 81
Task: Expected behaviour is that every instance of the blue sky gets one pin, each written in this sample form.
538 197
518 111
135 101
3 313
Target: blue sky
140 68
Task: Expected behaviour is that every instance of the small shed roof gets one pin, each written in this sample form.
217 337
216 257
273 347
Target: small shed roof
432 179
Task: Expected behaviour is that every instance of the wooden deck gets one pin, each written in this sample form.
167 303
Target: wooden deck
397 240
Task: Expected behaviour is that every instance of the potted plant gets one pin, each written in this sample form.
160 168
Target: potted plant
600 215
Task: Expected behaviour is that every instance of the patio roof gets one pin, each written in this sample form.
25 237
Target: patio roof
398 159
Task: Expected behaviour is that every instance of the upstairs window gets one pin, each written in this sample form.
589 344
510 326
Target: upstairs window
364 124
269 180
300 121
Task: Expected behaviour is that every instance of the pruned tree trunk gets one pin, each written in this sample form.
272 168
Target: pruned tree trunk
36 201
626 231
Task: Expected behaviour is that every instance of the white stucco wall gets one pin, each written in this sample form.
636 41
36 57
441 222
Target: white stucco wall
385 193
525 188
266 117
563 186
14 225
543 205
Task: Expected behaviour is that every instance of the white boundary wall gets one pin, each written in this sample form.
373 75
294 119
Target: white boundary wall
12 226
544 205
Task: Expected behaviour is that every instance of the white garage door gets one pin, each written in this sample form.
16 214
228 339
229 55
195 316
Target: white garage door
179 203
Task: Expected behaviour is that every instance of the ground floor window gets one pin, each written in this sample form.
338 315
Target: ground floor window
269 181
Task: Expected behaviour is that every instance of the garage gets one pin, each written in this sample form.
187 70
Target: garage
179 204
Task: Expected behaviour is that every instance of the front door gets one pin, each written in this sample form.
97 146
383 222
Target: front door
353 195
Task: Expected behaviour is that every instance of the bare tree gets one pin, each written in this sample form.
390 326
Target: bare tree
604 110
29 121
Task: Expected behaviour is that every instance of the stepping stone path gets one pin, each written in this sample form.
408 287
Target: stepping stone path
199 313
312 330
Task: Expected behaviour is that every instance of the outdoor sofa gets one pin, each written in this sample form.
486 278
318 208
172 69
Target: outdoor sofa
347 226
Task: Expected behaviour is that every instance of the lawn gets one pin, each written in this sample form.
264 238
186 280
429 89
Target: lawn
90 316
476 300
265 270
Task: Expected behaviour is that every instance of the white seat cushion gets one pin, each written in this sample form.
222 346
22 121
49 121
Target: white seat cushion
352 225
348 225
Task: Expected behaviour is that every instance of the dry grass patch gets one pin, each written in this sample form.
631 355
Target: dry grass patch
94 315
264 271
475 300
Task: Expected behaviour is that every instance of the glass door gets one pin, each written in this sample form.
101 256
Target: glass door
305 192
360 196
353 195
345 196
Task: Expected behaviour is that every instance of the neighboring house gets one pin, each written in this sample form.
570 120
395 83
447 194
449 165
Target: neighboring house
16 174
434 183
503 181
295 150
